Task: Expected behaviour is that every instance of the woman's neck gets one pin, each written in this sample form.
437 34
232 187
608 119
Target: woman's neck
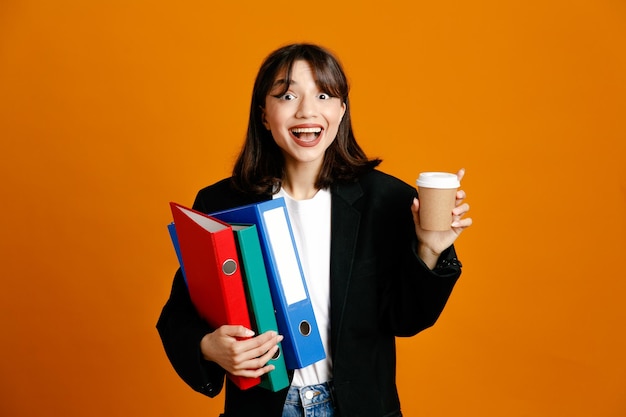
299 182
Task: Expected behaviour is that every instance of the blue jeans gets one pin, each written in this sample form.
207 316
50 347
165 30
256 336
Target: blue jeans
310 401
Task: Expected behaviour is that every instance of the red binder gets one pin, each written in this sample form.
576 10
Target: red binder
213 272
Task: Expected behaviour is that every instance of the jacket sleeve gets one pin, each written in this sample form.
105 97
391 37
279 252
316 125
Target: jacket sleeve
420 294
416 295
181 329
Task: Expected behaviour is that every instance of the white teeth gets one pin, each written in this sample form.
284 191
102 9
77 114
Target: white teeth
306 130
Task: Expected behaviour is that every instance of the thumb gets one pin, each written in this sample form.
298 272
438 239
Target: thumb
415 210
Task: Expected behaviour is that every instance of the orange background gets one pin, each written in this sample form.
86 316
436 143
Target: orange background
110 109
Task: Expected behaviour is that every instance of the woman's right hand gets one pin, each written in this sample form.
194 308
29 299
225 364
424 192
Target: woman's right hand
235 350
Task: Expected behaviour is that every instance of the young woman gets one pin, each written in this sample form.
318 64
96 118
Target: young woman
372 272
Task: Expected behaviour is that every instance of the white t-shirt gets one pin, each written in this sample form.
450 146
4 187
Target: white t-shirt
310 220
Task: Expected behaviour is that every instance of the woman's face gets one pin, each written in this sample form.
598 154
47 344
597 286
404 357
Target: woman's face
303 120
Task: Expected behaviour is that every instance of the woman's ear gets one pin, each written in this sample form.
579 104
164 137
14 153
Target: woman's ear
264 120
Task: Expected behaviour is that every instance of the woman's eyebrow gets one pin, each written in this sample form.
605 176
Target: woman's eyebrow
282 82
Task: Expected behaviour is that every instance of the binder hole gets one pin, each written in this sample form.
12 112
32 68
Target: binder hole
305 328
277 354
229 267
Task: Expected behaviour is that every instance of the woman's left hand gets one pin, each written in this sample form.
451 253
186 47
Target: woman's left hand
432 243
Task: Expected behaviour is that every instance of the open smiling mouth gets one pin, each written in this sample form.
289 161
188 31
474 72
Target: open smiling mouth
306 133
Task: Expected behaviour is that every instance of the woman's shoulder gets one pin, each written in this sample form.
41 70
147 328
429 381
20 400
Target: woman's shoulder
381 194
221 186
381 181
223 195
376 190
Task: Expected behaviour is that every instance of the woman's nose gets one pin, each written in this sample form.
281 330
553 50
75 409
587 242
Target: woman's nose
306 107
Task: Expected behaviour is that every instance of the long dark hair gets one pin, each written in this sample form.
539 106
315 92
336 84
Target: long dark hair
260 166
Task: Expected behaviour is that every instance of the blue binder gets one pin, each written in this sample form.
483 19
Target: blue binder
171 228
302 345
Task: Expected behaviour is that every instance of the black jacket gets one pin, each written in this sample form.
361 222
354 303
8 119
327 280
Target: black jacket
379 289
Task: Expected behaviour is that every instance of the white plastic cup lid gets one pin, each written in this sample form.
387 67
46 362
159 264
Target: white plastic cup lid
438 180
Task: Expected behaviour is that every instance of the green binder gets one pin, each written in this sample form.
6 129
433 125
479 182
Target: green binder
259 298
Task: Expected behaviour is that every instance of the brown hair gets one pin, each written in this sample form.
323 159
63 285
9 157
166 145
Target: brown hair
259 167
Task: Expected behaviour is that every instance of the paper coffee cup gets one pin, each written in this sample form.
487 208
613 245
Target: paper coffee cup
437 196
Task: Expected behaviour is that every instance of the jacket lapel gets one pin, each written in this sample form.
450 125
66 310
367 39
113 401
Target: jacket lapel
345 219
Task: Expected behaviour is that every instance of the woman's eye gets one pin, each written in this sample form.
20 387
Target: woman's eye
288 96
324 96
